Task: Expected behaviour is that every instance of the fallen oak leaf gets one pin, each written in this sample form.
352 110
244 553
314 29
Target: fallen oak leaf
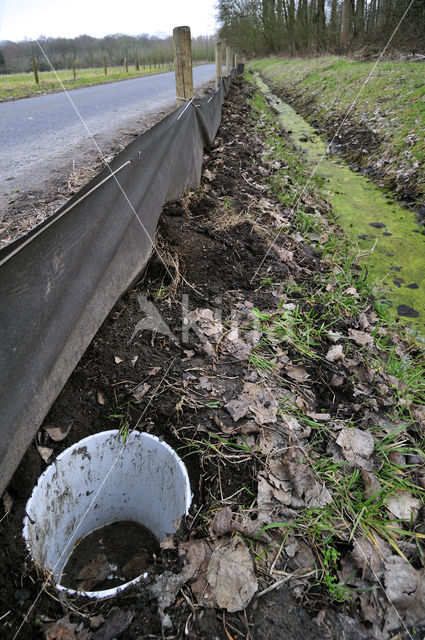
230 577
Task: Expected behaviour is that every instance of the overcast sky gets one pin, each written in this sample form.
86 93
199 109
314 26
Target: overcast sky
21 19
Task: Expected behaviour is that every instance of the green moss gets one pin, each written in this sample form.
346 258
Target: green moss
394 261
393 99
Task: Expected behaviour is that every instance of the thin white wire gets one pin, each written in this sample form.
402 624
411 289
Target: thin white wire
74 204
148 404
79 523
313 173
153 244
103 157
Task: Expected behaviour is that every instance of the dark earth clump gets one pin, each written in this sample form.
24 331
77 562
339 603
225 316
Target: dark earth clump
110 557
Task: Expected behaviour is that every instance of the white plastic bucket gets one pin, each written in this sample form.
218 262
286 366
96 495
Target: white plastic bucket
98 481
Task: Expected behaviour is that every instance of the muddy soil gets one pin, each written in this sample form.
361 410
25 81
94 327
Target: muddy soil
165 379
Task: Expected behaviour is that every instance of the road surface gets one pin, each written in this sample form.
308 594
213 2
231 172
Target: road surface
44 138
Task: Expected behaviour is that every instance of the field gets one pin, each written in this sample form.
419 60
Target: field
22 85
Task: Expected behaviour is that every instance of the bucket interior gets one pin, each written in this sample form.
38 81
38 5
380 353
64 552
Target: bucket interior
99 481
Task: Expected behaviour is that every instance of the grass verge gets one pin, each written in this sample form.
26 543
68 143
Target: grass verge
309 313
386 116
22 85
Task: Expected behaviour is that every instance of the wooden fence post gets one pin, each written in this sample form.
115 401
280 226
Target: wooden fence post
218 63
126 64
228 61
74 73
105 66
183 64
236 61
34 66
137 64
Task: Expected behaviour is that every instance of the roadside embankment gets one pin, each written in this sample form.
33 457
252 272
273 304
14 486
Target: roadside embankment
377 123
254 347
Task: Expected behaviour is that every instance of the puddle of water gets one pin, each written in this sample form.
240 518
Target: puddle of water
365 212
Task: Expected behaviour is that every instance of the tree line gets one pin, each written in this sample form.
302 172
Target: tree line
15 57
255 27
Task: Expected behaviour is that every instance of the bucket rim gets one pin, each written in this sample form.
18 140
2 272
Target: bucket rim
103 436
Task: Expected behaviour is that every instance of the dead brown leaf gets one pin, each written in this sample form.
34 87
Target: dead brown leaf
45 452
403 505
231 577
225 521
57 434
62 629
140 391
194 553
361 337
405 588
295 427
370 556
297 373
335 353
261 402
305 482
319 417
372 485
95 572
238 348
116 623
168 542
357 447
96 621
238 408
154 371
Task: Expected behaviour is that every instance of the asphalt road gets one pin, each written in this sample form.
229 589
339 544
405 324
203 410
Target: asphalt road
44 138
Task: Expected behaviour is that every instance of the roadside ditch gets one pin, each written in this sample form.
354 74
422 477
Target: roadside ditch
296 404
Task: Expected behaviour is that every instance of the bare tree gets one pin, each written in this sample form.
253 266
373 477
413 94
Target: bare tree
346 24
321 25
